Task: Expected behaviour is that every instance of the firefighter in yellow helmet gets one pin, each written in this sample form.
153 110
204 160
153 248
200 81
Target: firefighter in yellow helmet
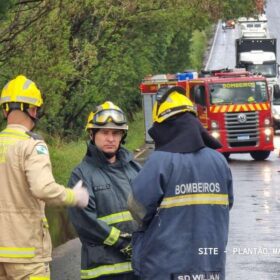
106 225
110 116
27 183
171 101
181 197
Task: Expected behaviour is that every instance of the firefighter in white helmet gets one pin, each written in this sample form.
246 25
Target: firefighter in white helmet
106 225
27 183
181 197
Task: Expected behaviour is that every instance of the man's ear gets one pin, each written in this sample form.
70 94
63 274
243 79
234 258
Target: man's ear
5 113
91 135
33 112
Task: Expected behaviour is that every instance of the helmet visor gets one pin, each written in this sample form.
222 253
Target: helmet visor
110 115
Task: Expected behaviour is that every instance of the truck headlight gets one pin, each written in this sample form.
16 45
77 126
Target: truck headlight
214 125
215 134
276 116
267 122
267 131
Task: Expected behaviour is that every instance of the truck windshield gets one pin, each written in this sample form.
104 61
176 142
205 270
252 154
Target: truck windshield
238 93
268 70
276 101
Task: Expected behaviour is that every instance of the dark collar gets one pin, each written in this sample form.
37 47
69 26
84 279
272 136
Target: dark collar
97 157
182 133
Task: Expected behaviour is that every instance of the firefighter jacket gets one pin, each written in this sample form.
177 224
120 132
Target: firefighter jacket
182 201
26 184
181 198
101 224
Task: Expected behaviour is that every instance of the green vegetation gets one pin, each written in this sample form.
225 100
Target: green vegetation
198 45
64 157
135 138
84 52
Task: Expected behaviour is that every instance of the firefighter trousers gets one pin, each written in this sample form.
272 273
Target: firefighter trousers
24 271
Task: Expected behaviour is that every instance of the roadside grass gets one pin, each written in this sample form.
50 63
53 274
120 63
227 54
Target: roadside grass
197 49
135 137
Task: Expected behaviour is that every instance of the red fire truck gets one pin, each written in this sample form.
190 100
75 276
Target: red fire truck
233 105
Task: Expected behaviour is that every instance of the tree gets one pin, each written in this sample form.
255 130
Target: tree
84 52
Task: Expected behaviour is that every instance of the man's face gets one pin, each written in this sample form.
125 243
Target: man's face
108 139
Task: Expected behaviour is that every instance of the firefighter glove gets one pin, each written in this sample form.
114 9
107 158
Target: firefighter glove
81 195
124 244
127 251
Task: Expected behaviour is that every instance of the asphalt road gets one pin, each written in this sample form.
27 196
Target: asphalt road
222 54
253 251
254 240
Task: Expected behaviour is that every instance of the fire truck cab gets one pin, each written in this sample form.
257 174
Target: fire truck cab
233 106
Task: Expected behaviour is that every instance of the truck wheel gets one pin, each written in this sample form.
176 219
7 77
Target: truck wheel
226 155
260 155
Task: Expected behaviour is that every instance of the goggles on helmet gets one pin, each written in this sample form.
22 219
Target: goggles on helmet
109 115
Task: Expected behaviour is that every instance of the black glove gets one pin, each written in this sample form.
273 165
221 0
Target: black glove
124 245
127 252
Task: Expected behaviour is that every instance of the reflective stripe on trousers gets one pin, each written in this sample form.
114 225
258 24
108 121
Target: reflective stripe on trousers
25 271
39 278
13 252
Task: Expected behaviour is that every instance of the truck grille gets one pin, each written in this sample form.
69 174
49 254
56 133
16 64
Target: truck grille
242 128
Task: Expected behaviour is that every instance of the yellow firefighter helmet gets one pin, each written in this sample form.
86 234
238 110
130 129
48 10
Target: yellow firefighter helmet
21 90
107 115
171 101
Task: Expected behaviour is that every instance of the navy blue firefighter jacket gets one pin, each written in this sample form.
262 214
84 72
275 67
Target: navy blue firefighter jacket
182 202
101 223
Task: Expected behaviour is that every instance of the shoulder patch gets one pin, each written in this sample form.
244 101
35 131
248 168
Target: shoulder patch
42 150
33 135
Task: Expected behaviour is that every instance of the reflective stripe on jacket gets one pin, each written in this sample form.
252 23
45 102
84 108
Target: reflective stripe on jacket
26 184
100 224
109 269
182 201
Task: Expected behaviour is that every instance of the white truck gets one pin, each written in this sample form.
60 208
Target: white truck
259 55
276 107
253 27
